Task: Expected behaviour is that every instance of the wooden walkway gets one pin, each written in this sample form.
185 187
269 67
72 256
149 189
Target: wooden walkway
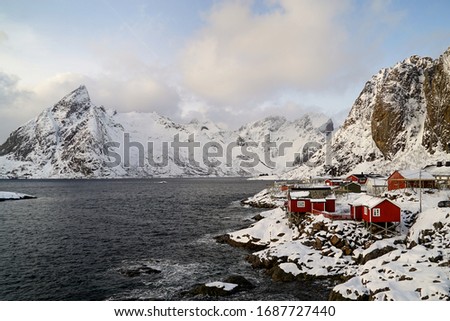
333 216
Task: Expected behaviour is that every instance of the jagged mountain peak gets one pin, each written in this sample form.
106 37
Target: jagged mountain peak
76 101
76 139
445 57
80 95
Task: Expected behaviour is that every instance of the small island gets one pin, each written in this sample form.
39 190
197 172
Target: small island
12 196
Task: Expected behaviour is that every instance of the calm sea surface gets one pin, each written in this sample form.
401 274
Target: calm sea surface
78 237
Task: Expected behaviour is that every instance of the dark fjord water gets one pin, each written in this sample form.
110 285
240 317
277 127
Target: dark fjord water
75 239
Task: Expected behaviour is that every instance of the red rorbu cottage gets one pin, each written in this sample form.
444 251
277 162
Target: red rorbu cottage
357 178
318 204
334 182
410 179
375 210
299 202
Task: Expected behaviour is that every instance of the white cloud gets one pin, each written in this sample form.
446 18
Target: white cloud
240 56
14 104
139 93
3 36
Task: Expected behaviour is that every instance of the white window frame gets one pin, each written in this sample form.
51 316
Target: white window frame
376 212
301 203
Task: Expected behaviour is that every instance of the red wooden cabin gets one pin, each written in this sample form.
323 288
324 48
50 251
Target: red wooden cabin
334 182
299 202
330 204
410 179
357 178
374 210
318 204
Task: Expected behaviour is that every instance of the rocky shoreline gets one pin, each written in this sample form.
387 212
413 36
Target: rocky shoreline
360 265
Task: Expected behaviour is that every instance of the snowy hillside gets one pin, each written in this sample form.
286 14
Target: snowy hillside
75 139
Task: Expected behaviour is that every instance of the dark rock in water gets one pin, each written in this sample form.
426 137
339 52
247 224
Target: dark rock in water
222 239
225 239
279 275
202 289
257 263
138 270
241 284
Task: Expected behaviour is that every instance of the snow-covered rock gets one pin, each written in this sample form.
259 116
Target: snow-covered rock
6 196
222 285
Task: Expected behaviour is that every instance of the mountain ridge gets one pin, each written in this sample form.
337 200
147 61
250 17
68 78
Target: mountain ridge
401 119
75 139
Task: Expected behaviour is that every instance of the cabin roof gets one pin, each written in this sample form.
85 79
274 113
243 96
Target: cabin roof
299 194
311 188
415 174
369 201
359 176
377 181
438 170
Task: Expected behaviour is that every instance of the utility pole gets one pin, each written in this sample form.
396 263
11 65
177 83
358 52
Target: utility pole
420 190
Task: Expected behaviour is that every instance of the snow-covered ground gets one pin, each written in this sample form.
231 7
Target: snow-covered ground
268 197
414 265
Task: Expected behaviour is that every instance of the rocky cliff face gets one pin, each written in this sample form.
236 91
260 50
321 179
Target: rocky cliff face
437 93
400 116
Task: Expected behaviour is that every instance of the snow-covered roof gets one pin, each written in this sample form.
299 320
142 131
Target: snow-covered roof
415 174
377 181
369 201
359 176
320 178
299 194
318 200
438 171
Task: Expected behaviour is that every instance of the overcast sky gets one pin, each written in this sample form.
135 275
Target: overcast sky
227 61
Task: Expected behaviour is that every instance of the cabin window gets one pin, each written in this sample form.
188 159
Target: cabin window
366 211
300 203
376 212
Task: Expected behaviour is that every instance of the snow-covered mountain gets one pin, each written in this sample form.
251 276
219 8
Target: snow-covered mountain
401 119
75 139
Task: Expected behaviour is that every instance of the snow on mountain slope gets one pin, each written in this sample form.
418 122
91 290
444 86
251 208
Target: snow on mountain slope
64 140
74 139
390 115
401 119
